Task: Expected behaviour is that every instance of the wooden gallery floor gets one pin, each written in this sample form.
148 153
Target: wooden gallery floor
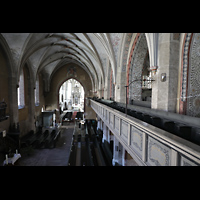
57 156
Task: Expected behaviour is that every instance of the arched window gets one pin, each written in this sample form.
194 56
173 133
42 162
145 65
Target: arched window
20 91
73 95
37 92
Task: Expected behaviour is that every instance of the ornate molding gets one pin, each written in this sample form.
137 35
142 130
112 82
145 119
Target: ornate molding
185 62
158 153
148 145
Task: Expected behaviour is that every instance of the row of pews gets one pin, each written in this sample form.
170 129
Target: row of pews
87 148
46 139
68 117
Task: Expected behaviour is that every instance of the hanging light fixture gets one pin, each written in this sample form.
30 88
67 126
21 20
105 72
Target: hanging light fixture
149 80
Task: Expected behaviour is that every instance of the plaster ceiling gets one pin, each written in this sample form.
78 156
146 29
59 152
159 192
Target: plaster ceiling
46 52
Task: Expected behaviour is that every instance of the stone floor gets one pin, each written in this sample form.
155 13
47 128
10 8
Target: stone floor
58 156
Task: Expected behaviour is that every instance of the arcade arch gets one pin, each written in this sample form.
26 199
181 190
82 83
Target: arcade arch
139 70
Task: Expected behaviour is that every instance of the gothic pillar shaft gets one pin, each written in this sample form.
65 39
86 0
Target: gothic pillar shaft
13 100
164 91
118 153
105 133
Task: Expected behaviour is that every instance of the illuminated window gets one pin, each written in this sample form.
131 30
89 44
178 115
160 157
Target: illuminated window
20 91
37 92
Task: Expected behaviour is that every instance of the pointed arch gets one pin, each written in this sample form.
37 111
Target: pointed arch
129 62
67 79
190 74
9 58
135 67
184 72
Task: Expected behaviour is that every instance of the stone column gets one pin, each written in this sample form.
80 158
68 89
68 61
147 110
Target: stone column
105 133
98 123
14 119
108 134
123 156
164 91
118 153
101 124
31 105
115 151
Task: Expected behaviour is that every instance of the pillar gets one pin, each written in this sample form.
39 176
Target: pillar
115 151
14 119
31 105
108 135
98 123
118 153
164 91
121 155
105 133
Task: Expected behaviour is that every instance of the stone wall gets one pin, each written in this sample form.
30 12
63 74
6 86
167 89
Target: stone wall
4 91
138 58
164 93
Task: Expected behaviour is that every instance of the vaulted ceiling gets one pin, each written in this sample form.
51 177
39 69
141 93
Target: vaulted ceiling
46 52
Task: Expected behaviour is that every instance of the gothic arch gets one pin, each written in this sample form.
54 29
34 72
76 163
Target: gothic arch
60 84
60 77
63 81
184 72
135 66
11 77
7 53
27 112
73 63
193 76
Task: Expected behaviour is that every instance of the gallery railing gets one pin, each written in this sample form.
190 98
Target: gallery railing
147 144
